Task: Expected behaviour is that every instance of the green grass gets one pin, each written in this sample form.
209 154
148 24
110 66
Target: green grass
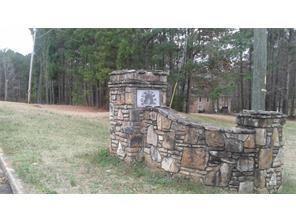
55 153
211 121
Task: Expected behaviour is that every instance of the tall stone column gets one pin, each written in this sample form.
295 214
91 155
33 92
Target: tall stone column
130 91
269 147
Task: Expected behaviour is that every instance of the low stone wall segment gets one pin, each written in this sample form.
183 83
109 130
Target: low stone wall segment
246 158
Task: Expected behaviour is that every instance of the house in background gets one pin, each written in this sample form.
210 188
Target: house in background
200 95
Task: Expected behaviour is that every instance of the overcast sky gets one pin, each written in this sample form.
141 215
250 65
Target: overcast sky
17 39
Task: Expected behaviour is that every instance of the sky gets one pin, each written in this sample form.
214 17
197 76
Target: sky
17 39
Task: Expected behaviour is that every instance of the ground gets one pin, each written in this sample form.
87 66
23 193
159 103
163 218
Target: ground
63 149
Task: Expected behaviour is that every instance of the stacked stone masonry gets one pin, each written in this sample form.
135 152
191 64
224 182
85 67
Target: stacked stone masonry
247 158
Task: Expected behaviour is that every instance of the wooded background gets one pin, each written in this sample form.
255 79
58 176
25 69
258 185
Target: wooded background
71 66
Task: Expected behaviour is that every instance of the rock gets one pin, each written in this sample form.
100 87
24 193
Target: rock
120 151
191 136
272 181
120 115
169 164
260 136
129 99
265 158
260 176
278 161
246 187
214 138
275 137
169 140
155 155
225 173
195 158
245 164
211 178
219 176
163 123
151 136
233 145
250 142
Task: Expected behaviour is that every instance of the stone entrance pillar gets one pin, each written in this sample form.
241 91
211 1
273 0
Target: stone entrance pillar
269 147
131 91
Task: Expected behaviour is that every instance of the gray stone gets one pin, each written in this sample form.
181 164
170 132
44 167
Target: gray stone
261 136
278 161
120 151
225 172
170 165
275 137
245 164
260 176
272 181
219 176
151 136
155 155
120 115
233 145
246 187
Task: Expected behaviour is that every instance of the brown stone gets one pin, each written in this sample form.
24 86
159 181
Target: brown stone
168 140
250 142
191 136
195 158
129 98
260 136
163 123
265 158
214 138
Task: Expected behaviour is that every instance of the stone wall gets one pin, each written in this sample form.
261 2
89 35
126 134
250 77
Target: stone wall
246 158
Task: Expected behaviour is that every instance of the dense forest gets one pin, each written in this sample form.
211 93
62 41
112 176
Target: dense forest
71 66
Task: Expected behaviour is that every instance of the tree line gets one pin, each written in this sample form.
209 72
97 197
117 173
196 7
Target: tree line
71 66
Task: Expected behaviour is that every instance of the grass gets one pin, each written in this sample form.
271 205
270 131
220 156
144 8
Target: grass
56 153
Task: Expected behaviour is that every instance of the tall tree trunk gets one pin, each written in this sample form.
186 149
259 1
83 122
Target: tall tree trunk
250 79
39 83
289 69
259 71
5 79
242 96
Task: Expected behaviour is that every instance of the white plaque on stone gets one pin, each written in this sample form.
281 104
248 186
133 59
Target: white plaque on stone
147 97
